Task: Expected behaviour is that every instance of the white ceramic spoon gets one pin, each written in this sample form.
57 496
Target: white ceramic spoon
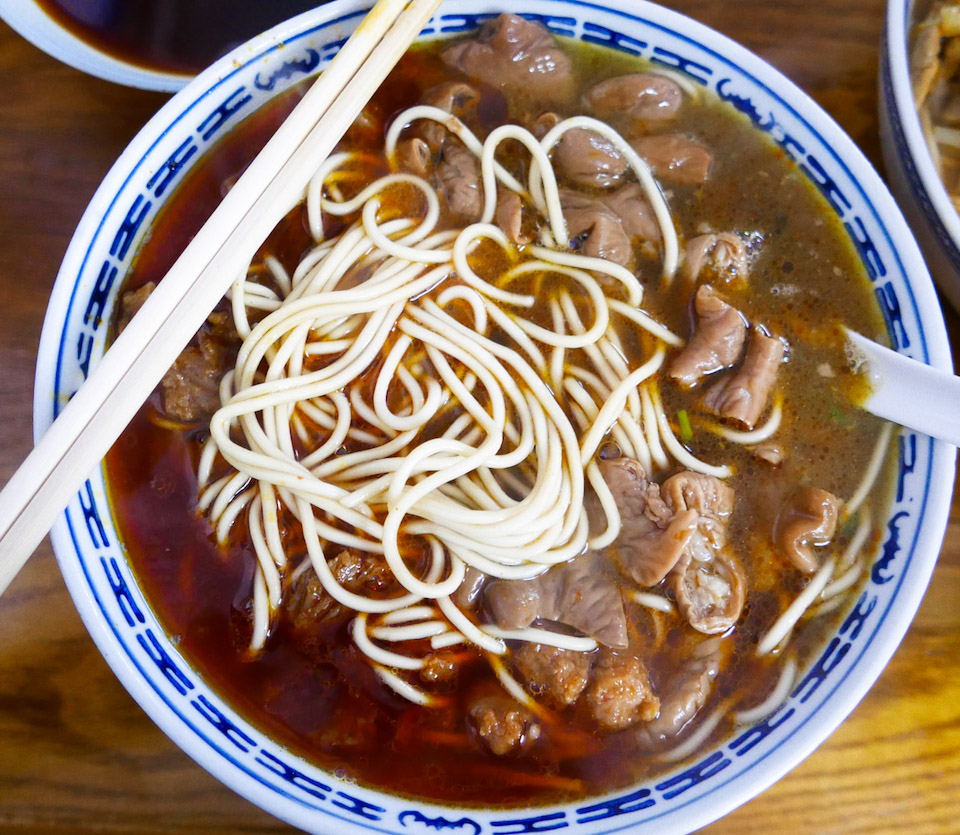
908 392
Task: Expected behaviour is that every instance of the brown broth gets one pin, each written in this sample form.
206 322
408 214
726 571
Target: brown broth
319 697
180 36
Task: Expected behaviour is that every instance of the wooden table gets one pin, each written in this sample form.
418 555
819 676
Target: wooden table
78 755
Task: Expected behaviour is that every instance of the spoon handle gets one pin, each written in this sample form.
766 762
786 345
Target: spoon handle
908 392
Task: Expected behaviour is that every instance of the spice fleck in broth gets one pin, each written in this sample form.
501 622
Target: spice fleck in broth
700 512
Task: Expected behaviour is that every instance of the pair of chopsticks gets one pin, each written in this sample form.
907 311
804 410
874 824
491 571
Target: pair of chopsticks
130 370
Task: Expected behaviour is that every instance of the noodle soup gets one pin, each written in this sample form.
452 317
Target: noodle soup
527 448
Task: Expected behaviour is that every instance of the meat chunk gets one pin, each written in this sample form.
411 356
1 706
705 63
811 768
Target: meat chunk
685 693
560 674
517 56
363 573
742 397
131 302
470 589
596 226
577 594
770 452
458 176
586 158
439 668
709 585
515 604
716 343
652 537
620 693
639 97
454 97
675 158
709 496
308 604
414 156
191 388
725 252
808 518
631 206
505 726
708 580
543 124
509 216
605 225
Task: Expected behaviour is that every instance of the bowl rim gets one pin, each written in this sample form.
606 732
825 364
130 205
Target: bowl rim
31 22
910 589
899 14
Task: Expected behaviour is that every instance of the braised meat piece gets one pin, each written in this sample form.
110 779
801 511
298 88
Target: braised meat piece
716 343
589 159
191 387
709 496
770 452
454 97
363 573
742 396
504 725
131 302
652 537
808 518
515 604
596 226
630 204
560 674
685 693
439 668
638 97
509 216
708 581
543 124
458 181
470 589
576 593
724 252
517 56
308 603
605 225
414 156
620 693
675 158
710 586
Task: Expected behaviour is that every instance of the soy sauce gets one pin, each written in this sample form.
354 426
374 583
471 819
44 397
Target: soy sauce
180 36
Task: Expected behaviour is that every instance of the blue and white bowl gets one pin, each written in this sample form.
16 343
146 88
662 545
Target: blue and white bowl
150 665
910 168
30 20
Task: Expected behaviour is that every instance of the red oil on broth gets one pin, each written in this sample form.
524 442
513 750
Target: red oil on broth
311 687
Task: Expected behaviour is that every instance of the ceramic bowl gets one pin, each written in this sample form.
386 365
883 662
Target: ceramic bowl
30 20
150 665
910 169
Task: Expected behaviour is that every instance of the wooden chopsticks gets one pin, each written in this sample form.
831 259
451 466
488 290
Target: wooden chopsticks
130 370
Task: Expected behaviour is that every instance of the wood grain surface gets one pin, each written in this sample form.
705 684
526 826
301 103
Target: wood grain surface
78 755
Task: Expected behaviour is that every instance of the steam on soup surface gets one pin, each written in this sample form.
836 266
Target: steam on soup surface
515 482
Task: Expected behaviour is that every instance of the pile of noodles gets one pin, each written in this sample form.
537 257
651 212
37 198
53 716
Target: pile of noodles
390 392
